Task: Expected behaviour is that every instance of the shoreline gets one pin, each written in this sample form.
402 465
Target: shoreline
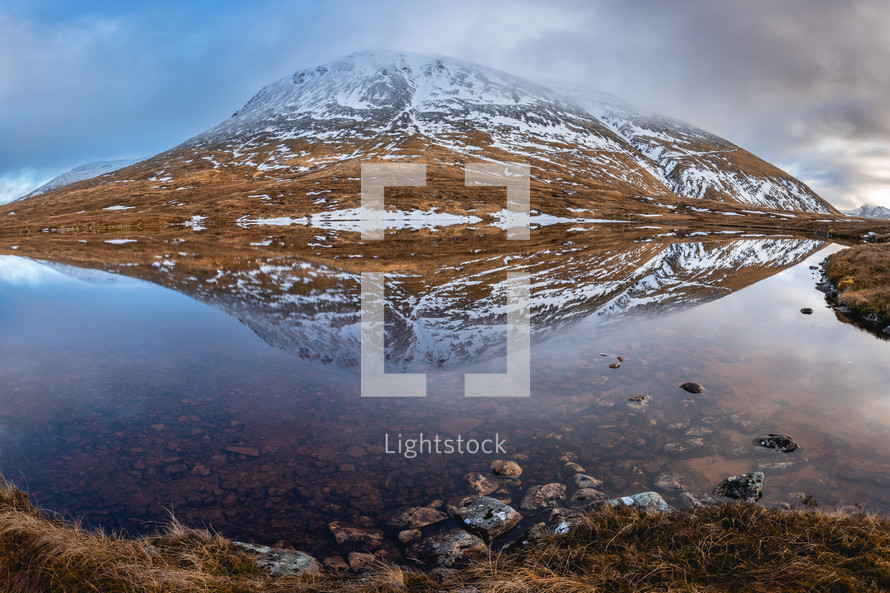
725 546
857 282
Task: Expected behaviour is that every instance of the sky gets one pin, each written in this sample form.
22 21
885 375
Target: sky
803 84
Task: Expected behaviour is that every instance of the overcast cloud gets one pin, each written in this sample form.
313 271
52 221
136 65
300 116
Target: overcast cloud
802 83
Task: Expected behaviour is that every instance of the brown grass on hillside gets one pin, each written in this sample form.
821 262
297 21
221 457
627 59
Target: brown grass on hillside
862 276
737 547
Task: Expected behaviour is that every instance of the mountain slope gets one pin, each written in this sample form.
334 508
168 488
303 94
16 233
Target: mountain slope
696 163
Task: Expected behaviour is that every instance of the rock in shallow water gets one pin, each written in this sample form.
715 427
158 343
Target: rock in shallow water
484 516
446 548
282 563
693 387
806 311
544 496
670 481
349 535
414 517
585 481
503 467
747 487
645 501
778 442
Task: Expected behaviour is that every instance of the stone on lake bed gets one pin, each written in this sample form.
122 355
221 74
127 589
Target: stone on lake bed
670 481
503 467
543 496
806 311
485 516
777 442
747 487
248 451
584 496
446 548
414 517
693 387
484 484
615 365
409 535
362 561
584 481
349 535
572 466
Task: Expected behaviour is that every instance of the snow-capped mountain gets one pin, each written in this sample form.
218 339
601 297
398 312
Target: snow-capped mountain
869 211
81 173
296 148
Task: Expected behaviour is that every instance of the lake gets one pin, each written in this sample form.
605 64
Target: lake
233 398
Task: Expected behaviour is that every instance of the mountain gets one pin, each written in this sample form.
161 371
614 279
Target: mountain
293 155
869 211
80 173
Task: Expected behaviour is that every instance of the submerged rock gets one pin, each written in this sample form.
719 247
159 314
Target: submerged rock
503 467
806 311
414 517
645 501
482 484
693 387
484 516
586 496
544 496
585 481
280 562
362 561
348 535
777 442
409 535
747 487
702 500
446 548
574 467
670 481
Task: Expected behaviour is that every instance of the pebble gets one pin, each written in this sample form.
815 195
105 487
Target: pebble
806 311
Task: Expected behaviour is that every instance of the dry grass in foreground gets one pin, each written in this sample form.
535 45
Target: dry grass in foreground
729 548
862 276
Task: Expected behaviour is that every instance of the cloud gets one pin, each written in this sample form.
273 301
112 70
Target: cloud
788 80
14 186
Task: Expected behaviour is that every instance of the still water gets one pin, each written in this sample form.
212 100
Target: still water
234 401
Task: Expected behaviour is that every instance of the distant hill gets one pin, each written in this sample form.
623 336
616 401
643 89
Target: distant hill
80 173
869 211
